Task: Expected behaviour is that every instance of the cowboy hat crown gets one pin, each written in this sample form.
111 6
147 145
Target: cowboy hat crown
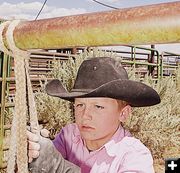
105 77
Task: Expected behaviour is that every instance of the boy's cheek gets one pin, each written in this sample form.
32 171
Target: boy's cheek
77 120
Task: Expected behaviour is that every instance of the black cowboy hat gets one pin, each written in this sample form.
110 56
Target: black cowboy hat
105 77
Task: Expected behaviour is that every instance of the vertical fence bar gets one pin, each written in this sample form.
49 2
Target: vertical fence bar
151 60
134 57
1 136
132 54
3 91
9 61
159 66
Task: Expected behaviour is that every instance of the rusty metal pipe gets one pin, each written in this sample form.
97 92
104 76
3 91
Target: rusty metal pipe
152 24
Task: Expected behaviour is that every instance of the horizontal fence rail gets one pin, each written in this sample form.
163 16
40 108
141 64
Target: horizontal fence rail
150 24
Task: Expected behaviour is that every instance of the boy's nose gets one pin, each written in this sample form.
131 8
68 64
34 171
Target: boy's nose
87 113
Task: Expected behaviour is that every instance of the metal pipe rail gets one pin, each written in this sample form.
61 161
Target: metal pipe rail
150 24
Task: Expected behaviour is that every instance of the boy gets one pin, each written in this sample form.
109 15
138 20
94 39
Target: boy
96 142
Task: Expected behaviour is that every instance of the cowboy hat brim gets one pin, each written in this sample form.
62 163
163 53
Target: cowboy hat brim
135 93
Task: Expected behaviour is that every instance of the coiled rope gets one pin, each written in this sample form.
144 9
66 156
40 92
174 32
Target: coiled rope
24 101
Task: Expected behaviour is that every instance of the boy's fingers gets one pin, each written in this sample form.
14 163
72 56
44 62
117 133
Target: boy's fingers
32 154
30 159
33 146
45 133
32 137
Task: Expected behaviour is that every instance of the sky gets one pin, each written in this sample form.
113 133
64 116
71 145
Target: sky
28 9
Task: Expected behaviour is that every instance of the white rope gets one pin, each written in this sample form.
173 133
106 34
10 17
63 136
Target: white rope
32 106
12 148
20 100
25 55
18 146
2 46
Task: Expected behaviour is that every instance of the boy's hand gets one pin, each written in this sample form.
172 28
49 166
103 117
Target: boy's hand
49 160
34 144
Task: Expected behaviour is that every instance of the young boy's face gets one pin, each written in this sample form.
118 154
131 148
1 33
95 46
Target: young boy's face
97 118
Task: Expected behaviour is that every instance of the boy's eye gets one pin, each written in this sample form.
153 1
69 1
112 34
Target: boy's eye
99 107
78 105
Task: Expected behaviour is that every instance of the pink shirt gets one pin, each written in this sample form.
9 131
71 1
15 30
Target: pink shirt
122 154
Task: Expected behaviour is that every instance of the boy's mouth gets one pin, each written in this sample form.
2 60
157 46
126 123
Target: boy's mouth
87 127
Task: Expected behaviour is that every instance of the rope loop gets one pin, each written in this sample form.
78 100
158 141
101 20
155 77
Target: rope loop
2 46
24 100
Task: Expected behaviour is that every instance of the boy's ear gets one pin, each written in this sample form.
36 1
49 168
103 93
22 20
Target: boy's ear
125 112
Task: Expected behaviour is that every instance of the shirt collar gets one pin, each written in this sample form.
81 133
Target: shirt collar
118 135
